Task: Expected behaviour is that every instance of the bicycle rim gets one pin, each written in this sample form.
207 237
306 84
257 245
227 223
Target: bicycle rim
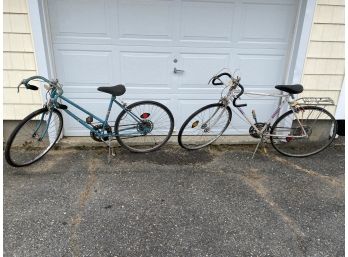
33 137
204 126
291 140
152 131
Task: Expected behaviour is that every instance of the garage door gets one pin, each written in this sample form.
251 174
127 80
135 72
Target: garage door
139 43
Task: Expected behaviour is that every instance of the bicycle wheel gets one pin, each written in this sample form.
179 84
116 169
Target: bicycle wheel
33 137
204 126
150 133
290 140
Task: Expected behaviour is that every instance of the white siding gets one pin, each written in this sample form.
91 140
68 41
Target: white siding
325 64
19 61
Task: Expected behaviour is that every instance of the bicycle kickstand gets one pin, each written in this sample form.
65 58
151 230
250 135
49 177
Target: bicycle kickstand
111 150
257 147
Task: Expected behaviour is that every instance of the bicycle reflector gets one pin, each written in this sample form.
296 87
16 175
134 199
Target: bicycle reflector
195 124
145 115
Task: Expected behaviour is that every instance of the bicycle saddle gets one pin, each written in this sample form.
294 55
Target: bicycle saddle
292 89
114 90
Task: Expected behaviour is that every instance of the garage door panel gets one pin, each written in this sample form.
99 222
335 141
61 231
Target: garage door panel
84 66
144 69
69 20
276 20
146 20
206 21
261 70
200 67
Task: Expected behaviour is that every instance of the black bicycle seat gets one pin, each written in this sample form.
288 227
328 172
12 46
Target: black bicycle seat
292 89
114 90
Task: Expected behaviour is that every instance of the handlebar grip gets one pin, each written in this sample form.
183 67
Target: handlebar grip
218 77
238 105
216 83
235 99
31 87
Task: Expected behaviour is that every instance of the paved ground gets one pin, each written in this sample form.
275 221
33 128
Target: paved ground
213 202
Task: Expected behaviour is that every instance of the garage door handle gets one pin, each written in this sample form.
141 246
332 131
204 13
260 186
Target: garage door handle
178 71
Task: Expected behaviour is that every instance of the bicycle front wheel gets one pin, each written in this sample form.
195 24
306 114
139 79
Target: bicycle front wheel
145 127
34 136
204 126
306 132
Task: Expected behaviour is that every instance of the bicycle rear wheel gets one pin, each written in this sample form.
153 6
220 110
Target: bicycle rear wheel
34 136
150 133
204 126
290 139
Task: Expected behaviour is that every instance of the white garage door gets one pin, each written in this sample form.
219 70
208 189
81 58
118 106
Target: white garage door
140 42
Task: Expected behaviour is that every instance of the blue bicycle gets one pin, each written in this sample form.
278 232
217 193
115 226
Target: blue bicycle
143 126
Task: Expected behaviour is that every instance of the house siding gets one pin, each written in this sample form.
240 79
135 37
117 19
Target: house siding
325 61
323 71
19 61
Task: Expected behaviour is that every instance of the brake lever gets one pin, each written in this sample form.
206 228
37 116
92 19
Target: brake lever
211 80
19 85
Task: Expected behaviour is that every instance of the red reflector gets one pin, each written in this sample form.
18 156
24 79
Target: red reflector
288 139
145 115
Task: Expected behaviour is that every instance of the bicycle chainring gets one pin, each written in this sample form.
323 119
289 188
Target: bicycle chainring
253 132
97 138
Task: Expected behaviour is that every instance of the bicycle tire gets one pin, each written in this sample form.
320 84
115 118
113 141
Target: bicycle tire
292 149
192 116
20 127
136 147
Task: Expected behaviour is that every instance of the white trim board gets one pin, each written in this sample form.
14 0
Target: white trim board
303 37
340 115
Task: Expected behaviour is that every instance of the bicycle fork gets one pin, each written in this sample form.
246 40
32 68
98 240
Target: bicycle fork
218 118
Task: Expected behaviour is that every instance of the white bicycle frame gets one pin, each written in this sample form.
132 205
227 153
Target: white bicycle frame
283 102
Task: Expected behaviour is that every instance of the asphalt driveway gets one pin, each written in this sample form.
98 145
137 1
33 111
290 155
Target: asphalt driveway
213 202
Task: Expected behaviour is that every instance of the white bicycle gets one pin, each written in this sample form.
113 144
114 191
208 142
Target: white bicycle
305 129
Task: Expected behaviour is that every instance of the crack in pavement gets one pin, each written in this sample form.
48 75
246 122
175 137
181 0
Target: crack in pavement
83 198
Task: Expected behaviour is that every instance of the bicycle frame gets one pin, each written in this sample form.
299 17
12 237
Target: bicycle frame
283 102
103 132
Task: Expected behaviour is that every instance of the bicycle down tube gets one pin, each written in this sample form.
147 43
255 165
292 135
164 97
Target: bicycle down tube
104 122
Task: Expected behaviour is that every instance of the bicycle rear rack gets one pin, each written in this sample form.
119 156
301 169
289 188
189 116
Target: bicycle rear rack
325 101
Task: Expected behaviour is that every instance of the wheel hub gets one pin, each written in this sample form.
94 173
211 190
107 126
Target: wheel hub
299 132
145 127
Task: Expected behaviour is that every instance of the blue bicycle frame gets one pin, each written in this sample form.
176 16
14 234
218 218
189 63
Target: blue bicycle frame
100 133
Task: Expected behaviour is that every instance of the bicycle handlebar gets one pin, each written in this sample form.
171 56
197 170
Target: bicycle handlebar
25 82
235 99
213 79
235 82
